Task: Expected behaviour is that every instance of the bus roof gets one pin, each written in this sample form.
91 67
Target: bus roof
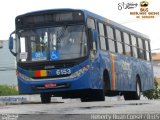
116 25
97 17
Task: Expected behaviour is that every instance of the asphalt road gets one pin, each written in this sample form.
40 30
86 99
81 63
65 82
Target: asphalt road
76 110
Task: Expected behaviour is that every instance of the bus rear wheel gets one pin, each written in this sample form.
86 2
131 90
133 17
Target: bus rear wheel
45 98
134 95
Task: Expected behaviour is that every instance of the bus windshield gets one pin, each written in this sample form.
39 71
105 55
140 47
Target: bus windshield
54 43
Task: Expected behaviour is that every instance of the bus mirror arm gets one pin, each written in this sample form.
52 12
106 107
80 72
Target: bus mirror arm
13 53
11 41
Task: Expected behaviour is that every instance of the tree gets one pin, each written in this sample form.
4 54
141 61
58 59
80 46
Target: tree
154 93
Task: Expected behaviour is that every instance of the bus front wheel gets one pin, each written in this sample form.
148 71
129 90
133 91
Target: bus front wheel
45 98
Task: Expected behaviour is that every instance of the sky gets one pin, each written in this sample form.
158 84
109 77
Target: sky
9 9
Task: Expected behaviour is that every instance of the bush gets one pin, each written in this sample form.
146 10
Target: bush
6 90
153 94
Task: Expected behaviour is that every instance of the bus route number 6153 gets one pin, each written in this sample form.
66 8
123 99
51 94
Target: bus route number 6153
63 72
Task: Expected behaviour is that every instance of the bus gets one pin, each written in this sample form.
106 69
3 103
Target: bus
74 53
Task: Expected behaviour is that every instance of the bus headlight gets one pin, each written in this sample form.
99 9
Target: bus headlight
80 72
24 77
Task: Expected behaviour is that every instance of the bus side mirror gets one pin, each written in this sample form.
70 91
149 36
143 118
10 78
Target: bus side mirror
11 44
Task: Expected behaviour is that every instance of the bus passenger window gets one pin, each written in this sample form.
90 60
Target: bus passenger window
141 50
111 42
102 36
134 46
119 41
127 44
147 51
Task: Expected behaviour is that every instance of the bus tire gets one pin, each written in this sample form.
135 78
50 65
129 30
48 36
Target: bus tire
134 95
45 98
138 90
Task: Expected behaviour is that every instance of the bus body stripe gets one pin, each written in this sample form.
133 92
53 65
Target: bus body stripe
113 72
43 73
37 73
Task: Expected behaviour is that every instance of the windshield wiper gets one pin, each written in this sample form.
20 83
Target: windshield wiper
61 33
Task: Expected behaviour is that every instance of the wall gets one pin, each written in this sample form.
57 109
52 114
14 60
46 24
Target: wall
7 66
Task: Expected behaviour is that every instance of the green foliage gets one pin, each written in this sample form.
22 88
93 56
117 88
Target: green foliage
154 93
6 90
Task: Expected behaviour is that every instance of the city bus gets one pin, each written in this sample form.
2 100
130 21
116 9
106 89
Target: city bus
74 53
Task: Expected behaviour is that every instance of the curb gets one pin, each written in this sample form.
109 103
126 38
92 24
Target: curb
18 99
24 99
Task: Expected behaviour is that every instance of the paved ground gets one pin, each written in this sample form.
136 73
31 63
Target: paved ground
68 109
143 106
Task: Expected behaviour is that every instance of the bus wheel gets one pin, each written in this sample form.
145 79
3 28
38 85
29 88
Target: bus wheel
45 97
138 91
134 95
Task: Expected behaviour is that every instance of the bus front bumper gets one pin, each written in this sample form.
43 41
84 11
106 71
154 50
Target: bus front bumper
36 87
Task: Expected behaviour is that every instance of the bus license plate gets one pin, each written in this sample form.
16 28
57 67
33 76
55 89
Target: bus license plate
50 85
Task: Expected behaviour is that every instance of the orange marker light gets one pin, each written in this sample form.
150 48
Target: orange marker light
43 73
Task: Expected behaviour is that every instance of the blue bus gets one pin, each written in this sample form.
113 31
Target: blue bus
75 53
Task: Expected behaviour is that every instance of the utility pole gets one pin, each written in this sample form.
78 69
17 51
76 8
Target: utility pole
1 44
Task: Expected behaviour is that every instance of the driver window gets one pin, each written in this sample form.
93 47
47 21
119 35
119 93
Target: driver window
90 23
23 53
